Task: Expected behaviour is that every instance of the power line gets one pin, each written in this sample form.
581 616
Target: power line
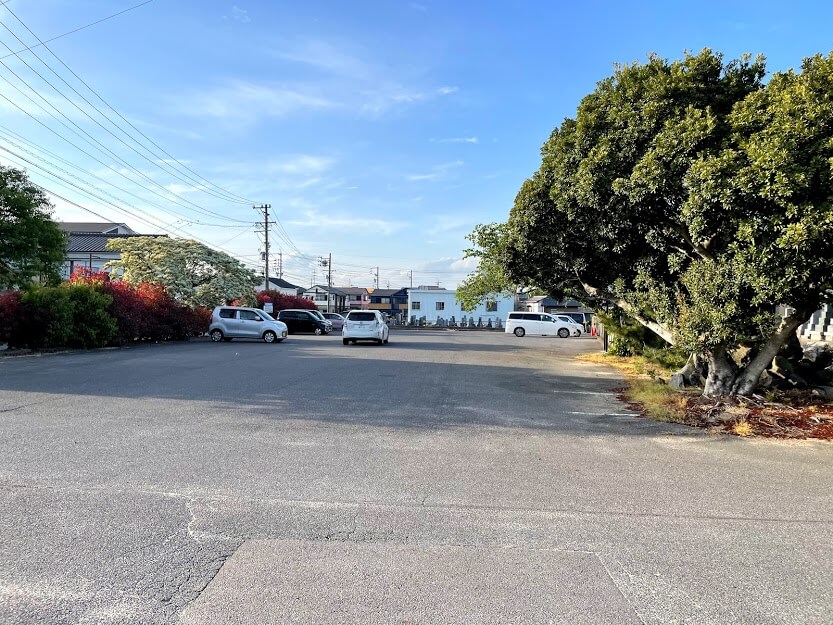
88 138
75 30
190 179
7 132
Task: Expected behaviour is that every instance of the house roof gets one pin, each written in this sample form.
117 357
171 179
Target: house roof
325 289
91 226
384 292
281 283
353 290
89 242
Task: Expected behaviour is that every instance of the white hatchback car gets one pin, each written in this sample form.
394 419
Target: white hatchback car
236 322
540 324
364 325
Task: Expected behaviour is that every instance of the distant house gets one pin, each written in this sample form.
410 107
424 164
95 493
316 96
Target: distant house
434 303
87 244
389 301
326 299
356 297
543 303
281 286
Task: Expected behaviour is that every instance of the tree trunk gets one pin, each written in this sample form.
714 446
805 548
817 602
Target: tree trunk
722 373
748 378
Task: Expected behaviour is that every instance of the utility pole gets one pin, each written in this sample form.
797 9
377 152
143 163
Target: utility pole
279 265
377 277
328 263
264 208
411 275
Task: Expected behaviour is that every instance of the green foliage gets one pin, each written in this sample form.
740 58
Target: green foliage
92 325
46 319
191 272
668 358
689 194
490 278
69 315
31 244
630 338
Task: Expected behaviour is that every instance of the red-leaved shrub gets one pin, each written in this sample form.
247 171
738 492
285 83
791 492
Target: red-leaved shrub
282 302
9 313
145 312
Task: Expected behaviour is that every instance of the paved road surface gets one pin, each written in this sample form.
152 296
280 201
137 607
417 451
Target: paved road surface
450 477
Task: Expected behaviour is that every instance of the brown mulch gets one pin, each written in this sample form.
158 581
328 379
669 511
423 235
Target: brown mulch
789 415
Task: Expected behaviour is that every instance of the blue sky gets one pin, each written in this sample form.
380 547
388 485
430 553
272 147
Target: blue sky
380 132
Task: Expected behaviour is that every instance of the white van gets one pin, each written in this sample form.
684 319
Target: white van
540 324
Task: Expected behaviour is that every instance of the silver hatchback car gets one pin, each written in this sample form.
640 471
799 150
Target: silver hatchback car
237 322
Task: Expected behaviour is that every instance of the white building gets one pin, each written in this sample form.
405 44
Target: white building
434 303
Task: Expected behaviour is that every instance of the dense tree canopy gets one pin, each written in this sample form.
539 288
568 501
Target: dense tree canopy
690 194
193 273
31 244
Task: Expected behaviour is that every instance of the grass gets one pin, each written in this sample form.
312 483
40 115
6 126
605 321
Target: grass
742 428
656 400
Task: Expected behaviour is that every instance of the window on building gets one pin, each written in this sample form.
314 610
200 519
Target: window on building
320 297
491 306
414 305
440 305
384 300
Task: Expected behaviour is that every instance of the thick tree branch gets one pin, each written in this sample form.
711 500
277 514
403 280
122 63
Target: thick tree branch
658 329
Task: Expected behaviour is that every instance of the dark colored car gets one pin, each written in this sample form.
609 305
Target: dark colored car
299 320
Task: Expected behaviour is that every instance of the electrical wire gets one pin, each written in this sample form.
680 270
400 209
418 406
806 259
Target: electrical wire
218 191
75 30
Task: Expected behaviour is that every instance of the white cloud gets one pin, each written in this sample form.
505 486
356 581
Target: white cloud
364 87
347 223
438 172
303 164
457 140
246 102
240 15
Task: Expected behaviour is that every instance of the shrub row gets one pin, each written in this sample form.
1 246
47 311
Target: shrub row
282 302
91 311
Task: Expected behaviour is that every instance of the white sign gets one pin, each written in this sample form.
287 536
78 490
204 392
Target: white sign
267 307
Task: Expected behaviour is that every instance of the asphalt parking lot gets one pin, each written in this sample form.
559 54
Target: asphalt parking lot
449 477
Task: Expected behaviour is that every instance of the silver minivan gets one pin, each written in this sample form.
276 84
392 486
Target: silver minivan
237 322
540 324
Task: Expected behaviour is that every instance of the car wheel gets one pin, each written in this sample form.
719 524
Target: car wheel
379 342
318 331
519 332
345 341
385 341
269 336
563 333
216 335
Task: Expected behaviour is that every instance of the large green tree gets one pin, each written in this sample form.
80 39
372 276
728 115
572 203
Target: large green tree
191 272
695 197
31 244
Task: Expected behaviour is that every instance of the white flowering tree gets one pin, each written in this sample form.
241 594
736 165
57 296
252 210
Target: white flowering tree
191 272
